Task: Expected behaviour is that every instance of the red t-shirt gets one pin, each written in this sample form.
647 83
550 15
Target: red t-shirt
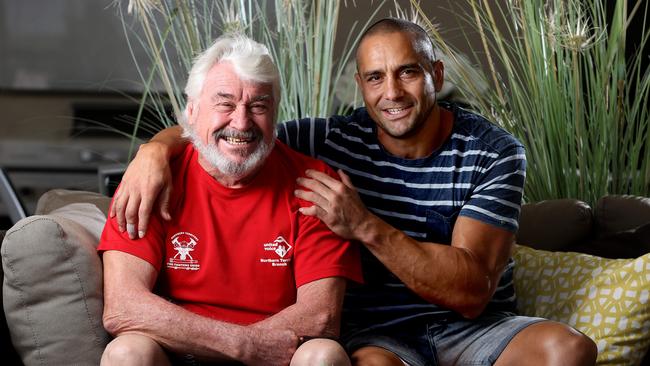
238 255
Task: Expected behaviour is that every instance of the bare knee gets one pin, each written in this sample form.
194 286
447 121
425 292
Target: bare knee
569 344
375 356
320 352
549 343
133 350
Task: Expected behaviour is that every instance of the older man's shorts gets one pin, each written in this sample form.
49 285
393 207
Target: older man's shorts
455 341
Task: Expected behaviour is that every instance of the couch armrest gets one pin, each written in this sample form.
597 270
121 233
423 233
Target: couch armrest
555 224
57 198
616 213
52 287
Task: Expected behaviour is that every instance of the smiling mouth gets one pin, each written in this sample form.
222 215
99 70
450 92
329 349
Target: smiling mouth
395 110
237 140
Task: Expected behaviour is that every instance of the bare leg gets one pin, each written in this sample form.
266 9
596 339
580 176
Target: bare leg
320 351
549 343
133 349
375 356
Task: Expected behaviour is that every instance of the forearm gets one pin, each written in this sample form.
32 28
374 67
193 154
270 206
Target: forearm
445 275
316 313
175 328
305 322
168 142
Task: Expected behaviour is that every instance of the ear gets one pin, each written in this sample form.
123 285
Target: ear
357 78
190 112
438 75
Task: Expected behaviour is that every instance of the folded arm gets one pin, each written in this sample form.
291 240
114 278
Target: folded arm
317 311
131 307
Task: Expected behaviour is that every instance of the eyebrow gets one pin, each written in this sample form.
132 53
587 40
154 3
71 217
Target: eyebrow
257 98
261 98
413 65
370 73
221 95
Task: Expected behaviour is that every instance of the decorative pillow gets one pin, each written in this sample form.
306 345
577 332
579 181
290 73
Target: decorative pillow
607 299
53 287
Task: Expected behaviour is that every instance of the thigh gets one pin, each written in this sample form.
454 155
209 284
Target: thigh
477 341
375 356
407 342
134 349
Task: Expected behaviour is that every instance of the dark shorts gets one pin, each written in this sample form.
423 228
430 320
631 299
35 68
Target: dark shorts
189 360
450 342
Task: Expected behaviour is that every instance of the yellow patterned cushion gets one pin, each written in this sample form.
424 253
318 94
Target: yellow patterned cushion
607 299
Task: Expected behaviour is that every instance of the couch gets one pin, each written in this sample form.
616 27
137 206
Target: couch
52 296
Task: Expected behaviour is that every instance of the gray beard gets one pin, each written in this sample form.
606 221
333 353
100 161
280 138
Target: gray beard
226 166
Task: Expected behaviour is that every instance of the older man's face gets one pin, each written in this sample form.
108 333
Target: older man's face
232 123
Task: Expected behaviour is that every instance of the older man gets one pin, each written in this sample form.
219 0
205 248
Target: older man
432 192
237 274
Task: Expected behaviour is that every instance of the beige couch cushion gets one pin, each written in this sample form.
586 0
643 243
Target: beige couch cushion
57 198
53 284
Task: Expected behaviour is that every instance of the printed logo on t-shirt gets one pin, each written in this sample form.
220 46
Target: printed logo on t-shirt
276 252
184 244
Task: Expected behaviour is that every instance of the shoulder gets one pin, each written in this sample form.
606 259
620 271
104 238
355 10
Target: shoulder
358 117
477 132
295 162
356 127
183 162
183 167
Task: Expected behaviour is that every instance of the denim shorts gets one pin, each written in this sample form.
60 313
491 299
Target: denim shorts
454 341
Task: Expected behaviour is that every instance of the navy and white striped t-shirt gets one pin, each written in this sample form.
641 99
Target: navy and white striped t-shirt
478 172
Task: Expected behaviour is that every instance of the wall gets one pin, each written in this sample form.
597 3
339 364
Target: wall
59 54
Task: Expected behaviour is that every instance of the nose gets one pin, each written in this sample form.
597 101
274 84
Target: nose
393 89
240 118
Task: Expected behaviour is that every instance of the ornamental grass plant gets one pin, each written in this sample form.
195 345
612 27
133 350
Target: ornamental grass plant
300 35
561 80
559 75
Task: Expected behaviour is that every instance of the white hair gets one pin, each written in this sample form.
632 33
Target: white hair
251 61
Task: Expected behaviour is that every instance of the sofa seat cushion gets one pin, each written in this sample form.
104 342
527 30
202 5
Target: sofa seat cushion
53 286
607 299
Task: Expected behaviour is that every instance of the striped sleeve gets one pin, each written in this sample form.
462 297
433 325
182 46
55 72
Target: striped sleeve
306 135
496 198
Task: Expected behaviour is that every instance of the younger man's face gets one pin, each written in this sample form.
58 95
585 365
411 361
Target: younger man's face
397 83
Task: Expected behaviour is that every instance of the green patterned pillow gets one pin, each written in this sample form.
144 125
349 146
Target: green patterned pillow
607 299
